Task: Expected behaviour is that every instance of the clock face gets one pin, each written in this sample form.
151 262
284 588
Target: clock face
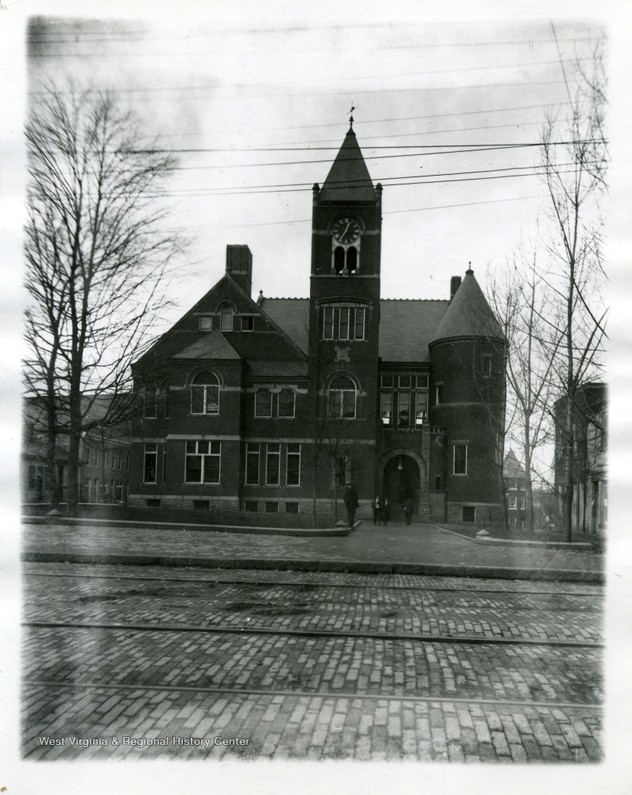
346 230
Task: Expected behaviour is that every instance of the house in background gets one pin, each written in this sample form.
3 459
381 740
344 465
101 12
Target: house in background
515 489
104 458
272 405
588 474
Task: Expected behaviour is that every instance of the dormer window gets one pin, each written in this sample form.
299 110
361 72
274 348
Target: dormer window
226 318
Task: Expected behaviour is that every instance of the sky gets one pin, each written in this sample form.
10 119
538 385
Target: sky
265 90
255 111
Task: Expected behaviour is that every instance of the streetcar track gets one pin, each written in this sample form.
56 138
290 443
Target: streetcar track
311 694
316 633
298 583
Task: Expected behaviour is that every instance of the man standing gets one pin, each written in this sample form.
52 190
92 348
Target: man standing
351 504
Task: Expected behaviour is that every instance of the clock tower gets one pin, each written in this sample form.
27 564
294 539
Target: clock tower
345 308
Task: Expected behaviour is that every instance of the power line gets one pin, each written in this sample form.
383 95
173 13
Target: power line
341 184
387 212
165 194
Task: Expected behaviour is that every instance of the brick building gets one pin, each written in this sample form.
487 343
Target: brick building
588 473
515 489
271 405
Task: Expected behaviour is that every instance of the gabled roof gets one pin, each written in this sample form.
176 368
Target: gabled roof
468 314
291 315
512 468
213 345
348 178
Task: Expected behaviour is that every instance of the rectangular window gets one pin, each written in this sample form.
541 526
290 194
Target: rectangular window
328 323
252 506
273 464
513 502
348 404
291 507
360 313
272 507
263 403
422 382
459 458
293 465
469 513
403 409
203 461
438 394
247 323
252 464
421 407
200 505
387 381
386 407
153 503
344 323
287 403
150 463
404 381
343 332
205 323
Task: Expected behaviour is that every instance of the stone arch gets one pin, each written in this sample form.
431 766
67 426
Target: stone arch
411 480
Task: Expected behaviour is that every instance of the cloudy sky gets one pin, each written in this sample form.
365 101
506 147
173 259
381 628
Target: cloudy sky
447 115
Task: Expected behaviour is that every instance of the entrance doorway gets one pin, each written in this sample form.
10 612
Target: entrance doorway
401 480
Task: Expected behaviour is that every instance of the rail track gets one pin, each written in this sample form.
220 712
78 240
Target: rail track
88 633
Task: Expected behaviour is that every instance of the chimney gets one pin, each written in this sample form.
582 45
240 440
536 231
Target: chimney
455 283
239 266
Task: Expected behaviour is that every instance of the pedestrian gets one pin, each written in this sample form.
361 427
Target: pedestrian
408 509
385 512
351 504
377 506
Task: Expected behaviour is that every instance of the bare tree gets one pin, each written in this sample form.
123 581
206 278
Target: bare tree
522 305
575 177
96 255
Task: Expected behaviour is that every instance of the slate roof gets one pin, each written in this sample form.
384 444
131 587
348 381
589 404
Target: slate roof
348 179
406 328
419 319
292 315
211 346
468 314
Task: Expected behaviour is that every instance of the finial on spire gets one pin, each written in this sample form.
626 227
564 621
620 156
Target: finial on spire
351 117
469 269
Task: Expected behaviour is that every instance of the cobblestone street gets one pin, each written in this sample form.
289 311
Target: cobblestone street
135 662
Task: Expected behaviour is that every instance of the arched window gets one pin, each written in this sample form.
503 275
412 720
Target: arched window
163 399
341 398
339 259
150 401
226 318
352 259
205 394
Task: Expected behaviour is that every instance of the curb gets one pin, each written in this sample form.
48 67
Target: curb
568 545
350 566
307 532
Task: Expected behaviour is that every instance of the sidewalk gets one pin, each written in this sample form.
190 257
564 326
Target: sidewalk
415 549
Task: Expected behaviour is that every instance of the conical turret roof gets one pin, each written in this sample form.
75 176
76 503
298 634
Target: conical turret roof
468 314
348 178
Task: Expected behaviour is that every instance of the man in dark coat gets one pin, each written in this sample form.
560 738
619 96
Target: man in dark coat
351 504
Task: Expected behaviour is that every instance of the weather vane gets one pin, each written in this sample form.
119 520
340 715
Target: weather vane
350 116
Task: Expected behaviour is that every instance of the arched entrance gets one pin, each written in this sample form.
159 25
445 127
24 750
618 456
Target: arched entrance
401 479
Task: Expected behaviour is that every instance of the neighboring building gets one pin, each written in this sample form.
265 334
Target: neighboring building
589 473
104 458
272 405
515 490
